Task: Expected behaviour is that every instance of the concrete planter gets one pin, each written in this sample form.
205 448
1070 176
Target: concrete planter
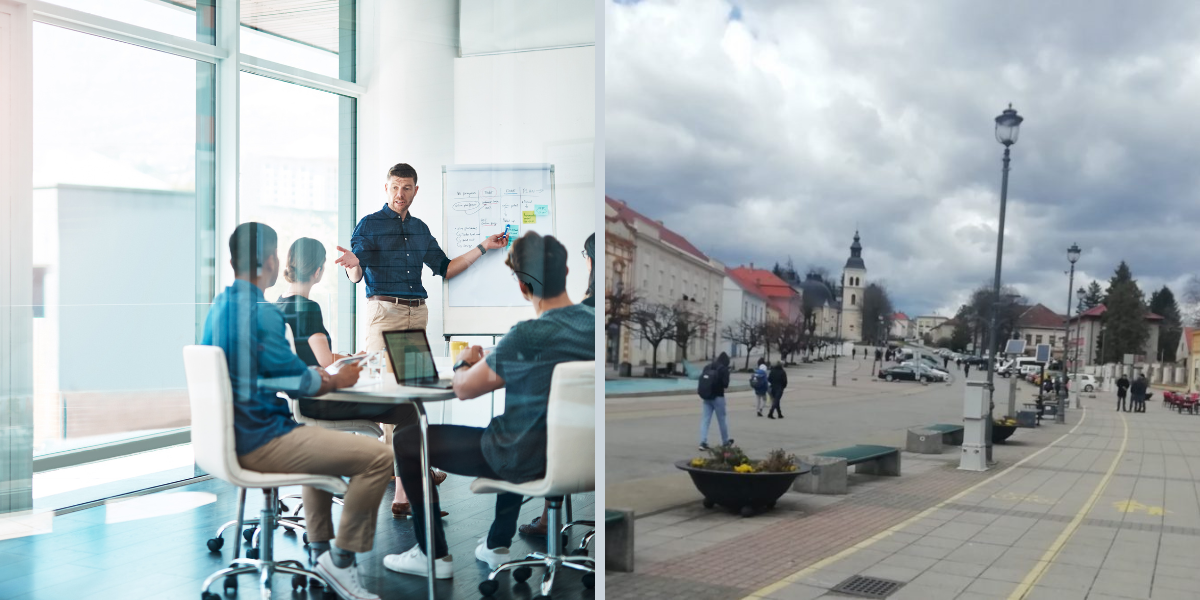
745 493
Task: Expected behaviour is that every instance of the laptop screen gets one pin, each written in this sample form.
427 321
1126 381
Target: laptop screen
412 360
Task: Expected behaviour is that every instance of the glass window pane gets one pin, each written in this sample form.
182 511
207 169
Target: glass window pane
116 237
306 34
289 177
173 17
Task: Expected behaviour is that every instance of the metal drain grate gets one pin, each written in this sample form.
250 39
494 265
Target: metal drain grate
867 587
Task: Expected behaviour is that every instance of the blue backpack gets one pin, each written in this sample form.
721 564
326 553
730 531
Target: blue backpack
758 381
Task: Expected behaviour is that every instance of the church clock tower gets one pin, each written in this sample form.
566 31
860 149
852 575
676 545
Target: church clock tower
854 276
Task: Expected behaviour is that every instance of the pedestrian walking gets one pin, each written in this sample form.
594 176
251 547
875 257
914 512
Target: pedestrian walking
879 355
777 379
966 370
758 382
854 352
713 381
945 362
1122 392
1137 393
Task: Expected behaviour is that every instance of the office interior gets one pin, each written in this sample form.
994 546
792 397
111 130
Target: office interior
137 134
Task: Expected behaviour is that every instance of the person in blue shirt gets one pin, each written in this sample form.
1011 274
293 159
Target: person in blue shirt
388 249
513 445
261 363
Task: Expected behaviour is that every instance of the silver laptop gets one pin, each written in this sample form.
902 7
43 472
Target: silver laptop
412 360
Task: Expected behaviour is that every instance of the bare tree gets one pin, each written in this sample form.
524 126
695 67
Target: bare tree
619 305
746 333
689 324
655 323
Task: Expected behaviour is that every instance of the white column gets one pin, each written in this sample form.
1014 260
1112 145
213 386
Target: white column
975 412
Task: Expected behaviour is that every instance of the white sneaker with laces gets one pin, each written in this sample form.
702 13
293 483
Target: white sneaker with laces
494 557
343 581
414 562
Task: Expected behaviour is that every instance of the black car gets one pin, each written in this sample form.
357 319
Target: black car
978 361
901 373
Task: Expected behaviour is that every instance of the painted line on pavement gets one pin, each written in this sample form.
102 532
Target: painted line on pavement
1039 569
762 593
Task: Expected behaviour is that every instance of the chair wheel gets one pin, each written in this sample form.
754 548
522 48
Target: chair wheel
248 534
487 587
209 596
230 586
709 503
579 552
299 582
252 554
589 580
289 531
215 544
522 573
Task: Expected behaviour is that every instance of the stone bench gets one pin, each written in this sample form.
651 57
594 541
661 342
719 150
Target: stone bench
951 434
618 541
829 473
923 441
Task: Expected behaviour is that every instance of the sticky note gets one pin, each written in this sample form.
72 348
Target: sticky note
542 210
528 216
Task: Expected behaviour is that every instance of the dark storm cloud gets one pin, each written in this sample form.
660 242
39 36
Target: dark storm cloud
778 132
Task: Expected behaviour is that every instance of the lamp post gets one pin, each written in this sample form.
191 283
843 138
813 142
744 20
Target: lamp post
1080 294
838 347
1008 126
716 320
812 332
1072 255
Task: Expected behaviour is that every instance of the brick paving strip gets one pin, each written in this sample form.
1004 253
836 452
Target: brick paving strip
736 567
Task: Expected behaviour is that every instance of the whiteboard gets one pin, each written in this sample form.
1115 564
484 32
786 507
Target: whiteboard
478 201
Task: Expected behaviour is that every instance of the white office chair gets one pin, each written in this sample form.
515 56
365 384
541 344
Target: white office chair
570 469
211 398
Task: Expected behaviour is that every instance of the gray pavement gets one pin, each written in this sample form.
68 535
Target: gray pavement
1106 506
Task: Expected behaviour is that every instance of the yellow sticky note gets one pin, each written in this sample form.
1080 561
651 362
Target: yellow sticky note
529 216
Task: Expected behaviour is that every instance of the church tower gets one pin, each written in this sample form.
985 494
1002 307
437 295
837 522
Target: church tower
854 276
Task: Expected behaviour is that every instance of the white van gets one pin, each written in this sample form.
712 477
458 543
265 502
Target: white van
1021 364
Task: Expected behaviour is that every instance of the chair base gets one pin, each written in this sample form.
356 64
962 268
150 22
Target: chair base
551 560
265 569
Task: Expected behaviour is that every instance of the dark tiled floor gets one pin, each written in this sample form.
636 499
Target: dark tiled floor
165 557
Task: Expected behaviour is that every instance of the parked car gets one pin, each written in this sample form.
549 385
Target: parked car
1087 381
937 373
907 373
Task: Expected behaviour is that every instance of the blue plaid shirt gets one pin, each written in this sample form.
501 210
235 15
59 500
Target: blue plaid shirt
391 251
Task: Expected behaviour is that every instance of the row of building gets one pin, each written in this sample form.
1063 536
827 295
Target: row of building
649 261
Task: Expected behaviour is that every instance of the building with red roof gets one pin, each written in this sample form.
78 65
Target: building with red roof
1087 330
781 297
660 267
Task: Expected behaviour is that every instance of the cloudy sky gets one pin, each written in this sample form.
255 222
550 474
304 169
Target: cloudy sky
763 130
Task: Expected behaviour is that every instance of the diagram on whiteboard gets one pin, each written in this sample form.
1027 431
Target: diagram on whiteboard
482 201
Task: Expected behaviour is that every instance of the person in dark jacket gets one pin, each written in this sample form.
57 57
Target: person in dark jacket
777 380
1122 391
1137 393
717 404
760 390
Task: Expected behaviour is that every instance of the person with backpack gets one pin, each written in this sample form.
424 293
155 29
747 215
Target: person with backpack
758 382
713 381
777 379
1137 393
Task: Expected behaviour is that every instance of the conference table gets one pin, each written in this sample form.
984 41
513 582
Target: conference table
385 390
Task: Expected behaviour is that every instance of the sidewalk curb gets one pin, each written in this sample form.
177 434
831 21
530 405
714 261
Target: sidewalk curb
732 388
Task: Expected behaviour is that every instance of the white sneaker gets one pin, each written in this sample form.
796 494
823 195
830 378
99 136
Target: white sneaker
494 557
343 581
414 562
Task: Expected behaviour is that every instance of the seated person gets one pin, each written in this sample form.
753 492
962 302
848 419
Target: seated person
513 446
251 332
538 526
305 267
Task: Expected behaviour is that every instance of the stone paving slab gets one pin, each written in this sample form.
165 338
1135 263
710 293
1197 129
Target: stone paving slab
1111 510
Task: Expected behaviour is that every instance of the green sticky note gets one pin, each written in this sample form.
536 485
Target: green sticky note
528 216
542 210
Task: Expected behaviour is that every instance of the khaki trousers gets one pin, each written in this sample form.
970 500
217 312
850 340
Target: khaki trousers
389 316
325 452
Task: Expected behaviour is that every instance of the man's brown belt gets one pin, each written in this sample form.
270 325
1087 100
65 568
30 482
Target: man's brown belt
401 301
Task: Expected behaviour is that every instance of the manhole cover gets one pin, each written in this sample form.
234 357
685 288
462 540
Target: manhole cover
867 587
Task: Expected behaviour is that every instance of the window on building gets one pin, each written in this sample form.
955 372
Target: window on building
853 298
1037 339
1052 340
1028 339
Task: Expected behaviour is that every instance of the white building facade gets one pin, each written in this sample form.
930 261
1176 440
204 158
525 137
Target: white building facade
741 306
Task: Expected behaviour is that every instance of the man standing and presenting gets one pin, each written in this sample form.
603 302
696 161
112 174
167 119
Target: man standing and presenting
388 248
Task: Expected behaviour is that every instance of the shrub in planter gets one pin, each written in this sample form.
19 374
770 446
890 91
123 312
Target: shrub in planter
731 479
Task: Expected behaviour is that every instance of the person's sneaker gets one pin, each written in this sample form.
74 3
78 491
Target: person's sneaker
414 562
494 557
729 442
343 581
703 447
760 413
770 416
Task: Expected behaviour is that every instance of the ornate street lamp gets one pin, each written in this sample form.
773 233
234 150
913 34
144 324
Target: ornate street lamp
838 348
1080 294
1073 256
1008 126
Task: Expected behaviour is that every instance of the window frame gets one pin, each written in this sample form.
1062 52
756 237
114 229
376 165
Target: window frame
229 62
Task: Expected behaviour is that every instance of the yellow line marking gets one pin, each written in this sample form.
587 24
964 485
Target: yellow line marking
762 593
1039 569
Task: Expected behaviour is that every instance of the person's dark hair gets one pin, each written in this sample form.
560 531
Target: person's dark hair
403 171
304 258
762 361
589 246
539 262
251 244
723 359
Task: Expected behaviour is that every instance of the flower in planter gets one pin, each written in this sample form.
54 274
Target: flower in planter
731 458
698 462
746 468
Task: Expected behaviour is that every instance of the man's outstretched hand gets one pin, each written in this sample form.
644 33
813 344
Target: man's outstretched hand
493 242
347 259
